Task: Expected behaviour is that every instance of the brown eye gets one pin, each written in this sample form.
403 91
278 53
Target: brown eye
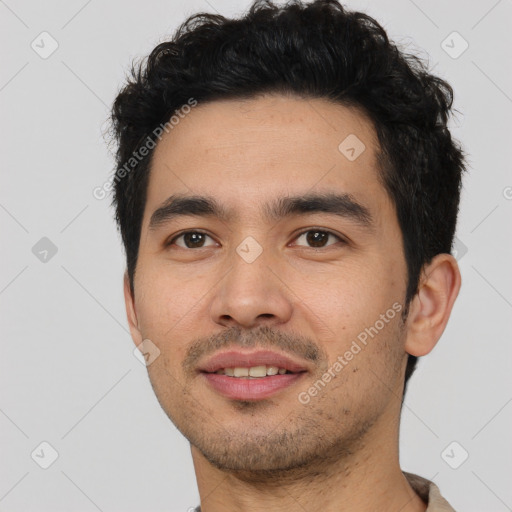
318 238
191 240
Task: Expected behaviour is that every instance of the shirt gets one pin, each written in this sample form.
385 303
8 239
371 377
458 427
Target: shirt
425 489
429 493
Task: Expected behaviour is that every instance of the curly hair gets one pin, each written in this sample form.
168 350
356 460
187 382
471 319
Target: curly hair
314 50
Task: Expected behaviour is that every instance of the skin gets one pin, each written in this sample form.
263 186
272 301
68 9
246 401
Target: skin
340 450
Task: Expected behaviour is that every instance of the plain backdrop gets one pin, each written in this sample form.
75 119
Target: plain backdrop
68 376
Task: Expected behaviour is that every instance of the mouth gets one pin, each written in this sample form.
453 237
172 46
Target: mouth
254 372
251 376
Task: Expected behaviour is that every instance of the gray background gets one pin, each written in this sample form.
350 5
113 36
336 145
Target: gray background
68 373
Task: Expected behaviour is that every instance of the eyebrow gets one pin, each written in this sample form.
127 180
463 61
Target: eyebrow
342 205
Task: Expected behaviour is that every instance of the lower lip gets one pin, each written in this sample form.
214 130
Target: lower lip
239 388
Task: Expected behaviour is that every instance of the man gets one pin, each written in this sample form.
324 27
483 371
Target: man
287 192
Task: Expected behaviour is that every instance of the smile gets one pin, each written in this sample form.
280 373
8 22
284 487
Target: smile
254 372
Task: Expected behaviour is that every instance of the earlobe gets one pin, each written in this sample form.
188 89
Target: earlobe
431 307
131 313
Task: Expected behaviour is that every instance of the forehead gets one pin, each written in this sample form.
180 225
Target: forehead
246 151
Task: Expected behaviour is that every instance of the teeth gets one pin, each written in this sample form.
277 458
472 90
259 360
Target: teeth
252 372
258 371
241 372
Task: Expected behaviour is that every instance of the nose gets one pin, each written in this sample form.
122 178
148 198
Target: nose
252 294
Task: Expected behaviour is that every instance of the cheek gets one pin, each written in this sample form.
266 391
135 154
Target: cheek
347 296
166 309
355 314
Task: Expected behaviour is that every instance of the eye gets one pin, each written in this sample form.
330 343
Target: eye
191 240
318 238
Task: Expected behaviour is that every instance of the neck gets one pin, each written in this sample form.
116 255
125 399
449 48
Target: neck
365 479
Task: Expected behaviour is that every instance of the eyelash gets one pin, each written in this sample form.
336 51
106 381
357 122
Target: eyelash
326 231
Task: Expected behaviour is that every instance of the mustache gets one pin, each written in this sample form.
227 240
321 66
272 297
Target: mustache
263 337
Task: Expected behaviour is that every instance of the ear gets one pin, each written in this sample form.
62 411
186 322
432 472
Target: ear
130 311
431 307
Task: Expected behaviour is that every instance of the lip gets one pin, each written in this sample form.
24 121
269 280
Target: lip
235 358
251 389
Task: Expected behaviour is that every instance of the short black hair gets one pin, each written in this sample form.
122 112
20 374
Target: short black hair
311 50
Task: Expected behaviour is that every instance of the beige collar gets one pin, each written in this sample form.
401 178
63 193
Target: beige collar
429 493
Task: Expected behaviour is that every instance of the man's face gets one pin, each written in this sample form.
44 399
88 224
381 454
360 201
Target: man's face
309 286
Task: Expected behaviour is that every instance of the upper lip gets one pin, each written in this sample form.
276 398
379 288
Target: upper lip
235 358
